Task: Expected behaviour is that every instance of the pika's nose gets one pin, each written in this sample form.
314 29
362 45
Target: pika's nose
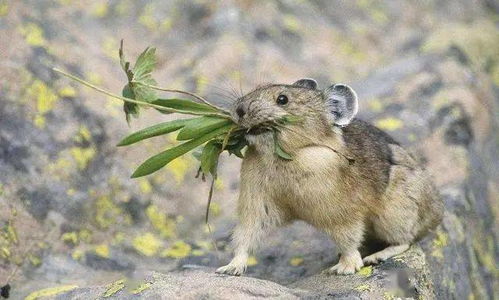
240 112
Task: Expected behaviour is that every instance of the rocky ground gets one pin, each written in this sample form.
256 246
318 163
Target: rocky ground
74 226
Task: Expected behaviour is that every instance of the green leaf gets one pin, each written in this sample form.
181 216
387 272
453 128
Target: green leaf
201 126
290 119
237 148
209 157
138 76
185 105
158 129
162 159
145 64
131 109
197 153
279 151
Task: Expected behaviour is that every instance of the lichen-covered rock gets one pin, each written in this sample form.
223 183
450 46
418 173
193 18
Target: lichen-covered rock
79 227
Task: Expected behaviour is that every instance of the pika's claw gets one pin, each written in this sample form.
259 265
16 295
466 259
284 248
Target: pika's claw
231 269
347 265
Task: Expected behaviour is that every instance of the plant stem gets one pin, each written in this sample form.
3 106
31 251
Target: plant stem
158 107
181 92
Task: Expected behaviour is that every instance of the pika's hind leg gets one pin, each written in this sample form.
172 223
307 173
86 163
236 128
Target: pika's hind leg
385 254
410 205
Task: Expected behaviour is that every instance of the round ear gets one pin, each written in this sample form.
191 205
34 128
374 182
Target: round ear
341 103
308 83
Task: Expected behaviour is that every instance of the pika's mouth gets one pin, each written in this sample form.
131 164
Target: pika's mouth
257 130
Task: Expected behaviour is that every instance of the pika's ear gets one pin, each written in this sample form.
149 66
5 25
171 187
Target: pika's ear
341 103
308 83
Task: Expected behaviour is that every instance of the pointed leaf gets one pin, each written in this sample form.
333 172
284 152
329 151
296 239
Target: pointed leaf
159 129
237 148
185 105
160 160
201 126
279 151
145 64
209 157
131 109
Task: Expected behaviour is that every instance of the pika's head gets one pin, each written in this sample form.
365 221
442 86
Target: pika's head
336 105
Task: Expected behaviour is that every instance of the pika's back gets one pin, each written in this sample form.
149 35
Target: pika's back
370 149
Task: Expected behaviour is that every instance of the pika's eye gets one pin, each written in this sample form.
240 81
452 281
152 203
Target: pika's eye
282 99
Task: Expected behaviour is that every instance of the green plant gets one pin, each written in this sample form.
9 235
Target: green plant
212 128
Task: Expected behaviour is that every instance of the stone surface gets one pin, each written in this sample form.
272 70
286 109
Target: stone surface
426 72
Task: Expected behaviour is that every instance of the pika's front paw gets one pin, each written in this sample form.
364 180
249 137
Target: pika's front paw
347 265
231 269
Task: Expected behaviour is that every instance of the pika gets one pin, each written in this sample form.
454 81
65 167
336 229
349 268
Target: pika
347 178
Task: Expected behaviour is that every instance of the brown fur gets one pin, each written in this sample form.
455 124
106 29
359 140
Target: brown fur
349 182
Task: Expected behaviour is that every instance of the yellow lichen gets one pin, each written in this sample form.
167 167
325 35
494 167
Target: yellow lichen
363 287
34 260
123 7
252 261
39 121
376 105
70 237
77 254
291 23
5 252
388 296
197 252
106 212
102 250
67 91
438 243
206 245
160 221
219 184
179 167
109 47
12 233
83 134
485 254
99 10
215 209
147 244
33 35
119 237
48 292
82 156
202 83
45 100
296 261
145 186
147 18
94 78
114 288
142 287
366 271
4 8
85 235
389 123
179 249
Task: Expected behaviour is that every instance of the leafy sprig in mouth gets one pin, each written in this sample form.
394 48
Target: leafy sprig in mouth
210 132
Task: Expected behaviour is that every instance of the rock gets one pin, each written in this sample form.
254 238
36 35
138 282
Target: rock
430 79
406 276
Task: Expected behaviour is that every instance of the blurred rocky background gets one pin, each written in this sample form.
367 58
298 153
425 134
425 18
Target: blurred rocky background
73 225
